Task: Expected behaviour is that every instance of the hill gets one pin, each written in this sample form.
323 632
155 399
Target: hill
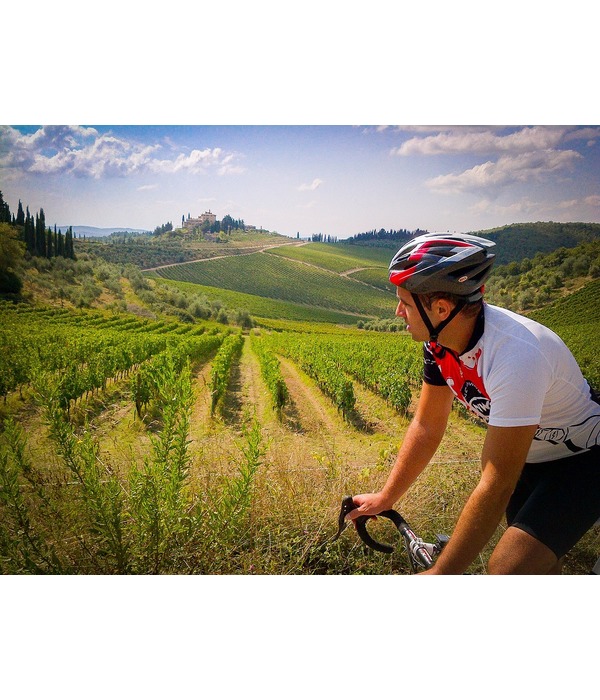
575 318
516 242
352 279
533 283
149 251
274 277
319 277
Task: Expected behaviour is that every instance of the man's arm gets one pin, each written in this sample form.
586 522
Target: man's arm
422 439
502 459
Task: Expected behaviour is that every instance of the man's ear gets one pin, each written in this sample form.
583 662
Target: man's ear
443 308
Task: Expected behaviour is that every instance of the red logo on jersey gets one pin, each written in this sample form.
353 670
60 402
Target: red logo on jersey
464 378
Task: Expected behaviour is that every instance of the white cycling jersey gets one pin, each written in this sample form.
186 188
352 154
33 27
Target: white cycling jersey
518 372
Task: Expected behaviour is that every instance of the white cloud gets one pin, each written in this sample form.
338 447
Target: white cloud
315 184
592 200
507 170
588 133
482 141
57 137
521 208
229 167
83 152
196 161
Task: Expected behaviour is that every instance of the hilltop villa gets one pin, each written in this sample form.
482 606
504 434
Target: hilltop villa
207 216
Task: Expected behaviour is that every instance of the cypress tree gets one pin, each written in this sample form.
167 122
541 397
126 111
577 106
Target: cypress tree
42 237
49 244
29 233
36 234
60 244
69 252
4 211
20 220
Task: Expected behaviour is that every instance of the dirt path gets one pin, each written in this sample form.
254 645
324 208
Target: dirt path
357 269
258 249
307 412
310 436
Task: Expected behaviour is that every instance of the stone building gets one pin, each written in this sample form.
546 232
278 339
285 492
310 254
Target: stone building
192 223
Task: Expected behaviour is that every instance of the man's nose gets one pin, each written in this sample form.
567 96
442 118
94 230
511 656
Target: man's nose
400 309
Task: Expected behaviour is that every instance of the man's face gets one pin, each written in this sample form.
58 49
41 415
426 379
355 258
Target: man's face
408 311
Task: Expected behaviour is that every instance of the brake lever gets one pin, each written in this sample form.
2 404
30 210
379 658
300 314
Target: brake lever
348 505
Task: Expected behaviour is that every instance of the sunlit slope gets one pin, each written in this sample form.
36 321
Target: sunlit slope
262 308
572 310
338 257
575 318
361 263
276 277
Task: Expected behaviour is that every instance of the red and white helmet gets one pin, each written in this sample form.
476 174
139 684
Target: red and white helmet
437 262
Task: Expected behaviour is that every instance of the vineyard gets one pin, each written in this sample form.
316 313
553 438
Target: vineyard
281 278
173 442
338 258
132 446
137 446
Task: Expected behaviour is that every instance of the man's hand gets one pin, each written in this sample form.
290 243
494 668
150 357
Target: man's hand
368 504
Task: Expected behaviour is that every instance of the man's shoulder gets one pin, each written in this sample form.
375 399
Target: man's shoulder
518 336
500 314
511 323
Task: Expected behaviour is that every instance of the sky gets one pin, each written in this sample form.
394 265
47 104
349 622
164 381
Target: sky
335 180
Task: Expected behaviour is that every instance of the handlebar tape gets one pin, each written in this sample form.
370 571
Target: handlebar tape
361 525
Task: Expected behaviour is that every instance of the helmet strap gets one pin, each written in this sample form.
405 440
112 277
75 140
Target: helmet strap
434 331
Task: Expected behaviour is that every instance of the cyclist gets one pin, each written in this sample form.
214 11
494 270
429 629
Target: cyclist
541 455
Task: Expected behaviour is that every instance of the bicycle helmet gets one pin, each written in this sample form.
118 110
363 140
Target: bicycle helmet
454 263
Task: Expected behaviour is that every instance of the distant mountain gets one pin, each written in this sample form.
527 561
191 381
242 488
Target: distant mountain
95 231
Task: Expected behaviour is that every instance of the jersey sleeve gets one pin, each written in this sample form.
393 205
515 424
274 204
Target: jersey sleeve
431 372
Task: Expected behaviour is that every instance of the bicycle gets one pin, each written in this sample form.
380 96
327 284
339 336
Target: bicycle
421 554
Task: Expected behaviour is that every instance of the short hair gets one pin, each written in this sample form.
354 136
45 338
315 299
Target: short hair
470 310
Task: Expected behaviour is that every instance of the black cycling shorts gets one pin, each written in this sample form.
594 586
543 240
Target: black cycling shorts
558 502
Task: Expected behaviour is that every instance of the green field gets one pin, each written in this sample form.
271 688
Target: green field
277 277
337 258
262 308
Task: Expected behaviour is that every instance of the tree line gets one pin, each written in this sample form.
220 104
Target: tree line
39 240
367 237
23 234
321 238
165 228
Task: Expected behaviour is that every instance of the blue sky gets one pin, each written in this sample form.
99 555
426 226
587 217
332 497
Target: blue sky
337 180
